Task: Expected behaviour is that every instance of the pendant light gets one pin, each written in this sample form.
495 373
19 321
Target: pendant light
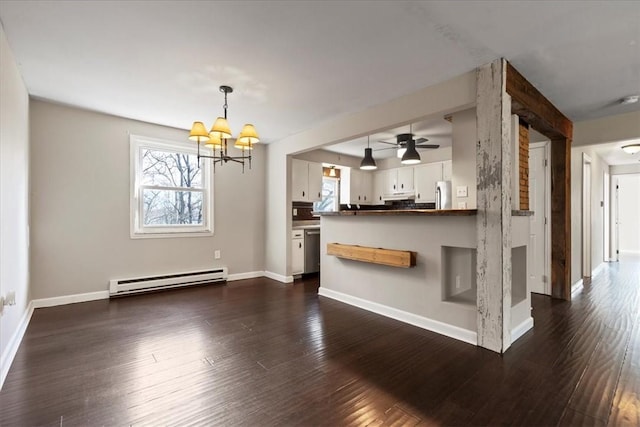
411 156
368 163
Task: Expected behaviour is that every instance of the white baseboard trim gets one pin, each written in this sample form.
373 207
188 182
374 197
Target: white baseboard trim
278 277
598 269
576 287
247 275
521 329
403 316
69 299
10 351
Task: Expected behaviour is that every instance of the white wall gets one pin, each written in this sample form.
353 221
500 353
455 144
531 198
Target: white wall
453 95
464 157
80 207
620 127
14 200
624 169
629 213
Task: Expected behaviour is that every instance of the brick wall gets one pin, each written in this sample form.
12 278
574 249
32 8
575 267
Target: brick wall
524 165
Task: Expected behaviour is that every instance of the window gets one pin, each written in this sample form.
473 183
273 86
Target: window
330 194
171 195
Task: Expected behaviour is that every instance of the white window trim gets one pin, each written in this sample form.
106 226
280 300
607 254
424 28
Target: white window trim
137 229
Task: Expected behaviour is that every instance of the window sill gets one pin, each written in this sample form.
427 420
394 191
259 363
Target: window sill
169 235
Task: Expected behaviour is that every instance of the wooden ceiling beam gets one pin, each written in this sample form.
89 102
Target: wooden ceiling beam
532 106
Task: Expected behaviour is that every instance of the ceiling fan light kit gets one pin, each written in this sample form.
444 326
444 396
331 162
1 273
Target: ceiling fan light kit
216 139
631 99
631 148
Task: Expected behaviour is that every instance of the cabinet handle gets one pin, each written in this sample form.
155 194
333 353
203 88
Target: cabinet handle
358 197
300 245
418 195
365 198
303 194
402 186
380 197
394 186
318 194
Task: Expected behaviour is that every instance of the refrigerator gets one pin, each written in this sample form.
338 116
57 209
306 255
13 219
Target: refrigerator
443 195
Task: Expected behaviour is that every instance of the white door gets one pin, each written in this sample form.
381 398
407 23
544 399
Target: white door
426 177
299 180
538 237
297 256
315 181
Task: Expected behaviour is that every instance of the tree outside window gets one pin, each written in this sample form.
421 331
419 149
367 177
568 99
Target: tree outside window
172 192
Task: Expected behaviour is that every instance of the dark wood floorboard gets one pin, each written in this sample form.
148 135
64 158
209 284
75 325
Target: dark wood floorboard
257 352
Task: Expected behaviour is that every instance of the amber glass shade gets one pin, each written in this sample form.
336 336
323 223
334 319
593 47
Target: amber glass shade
221 128
198 132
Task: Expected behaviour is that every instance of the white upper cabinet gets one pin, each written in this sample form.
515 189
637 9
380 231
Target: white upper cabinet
315 182
447 170
306 181
356 187
426 177
378 188
398 180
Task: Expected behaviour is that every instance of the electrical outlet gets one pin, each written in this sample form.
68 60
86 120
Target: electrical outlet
462 191
462 205
11 298
458 282
217 254
295 212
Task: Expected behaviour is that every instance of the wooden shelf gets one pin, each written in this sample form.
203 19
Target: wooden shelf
390 257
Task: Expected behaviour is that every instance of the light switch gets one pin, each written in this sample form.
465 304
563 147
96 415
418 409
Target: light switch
461 191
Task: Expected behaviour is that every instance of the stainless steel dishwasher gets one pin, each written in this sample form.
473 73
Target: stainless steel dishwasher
312 251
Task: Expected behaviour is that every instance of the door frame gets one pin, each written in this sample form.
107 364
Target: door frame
547 212
606 220
586 216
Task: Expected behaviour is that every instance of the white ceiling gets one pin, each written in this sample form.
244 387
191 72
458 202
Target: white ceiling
295 64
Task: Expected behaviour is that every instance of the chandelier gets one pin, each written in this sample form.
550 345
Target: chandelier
218 136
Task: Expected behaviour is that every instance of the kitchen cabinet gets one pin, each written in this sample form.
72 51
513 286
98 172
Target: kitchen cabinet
447 170
378 188
297 252
426 177
306 181
398 181
356 187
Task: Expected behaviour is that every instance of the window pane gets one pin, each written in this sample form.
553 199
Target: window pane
170 169
167 207
329 200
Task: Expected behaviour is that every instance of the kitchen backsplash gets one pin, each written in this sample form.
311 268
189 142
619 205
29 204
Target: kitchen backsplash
302 211
395 205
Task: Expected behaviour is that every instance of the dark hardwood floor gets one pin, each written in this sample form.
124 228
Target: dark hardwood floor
257 352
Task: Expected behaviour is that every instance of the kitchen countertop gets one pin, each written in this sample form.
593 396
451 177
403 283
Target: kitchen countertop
417 212
404 212
306 227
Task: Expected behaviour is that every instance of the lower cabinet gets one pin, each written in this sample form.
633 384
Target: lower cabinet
297 252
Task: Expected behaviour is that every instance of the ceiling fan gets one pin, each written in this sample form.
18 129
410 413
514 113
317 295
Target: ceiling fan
401 142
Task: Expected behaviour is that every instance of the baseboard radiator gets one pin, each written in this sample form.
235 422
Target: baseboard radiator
120 287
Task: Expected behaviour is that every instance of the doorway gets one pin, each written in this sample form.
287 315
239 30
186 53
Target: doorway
605 220
586 216
540 204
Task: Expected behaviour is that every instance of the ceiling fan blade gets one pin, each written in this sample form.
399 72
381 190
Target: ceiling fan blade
385 142
421 140
428 146
386 148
